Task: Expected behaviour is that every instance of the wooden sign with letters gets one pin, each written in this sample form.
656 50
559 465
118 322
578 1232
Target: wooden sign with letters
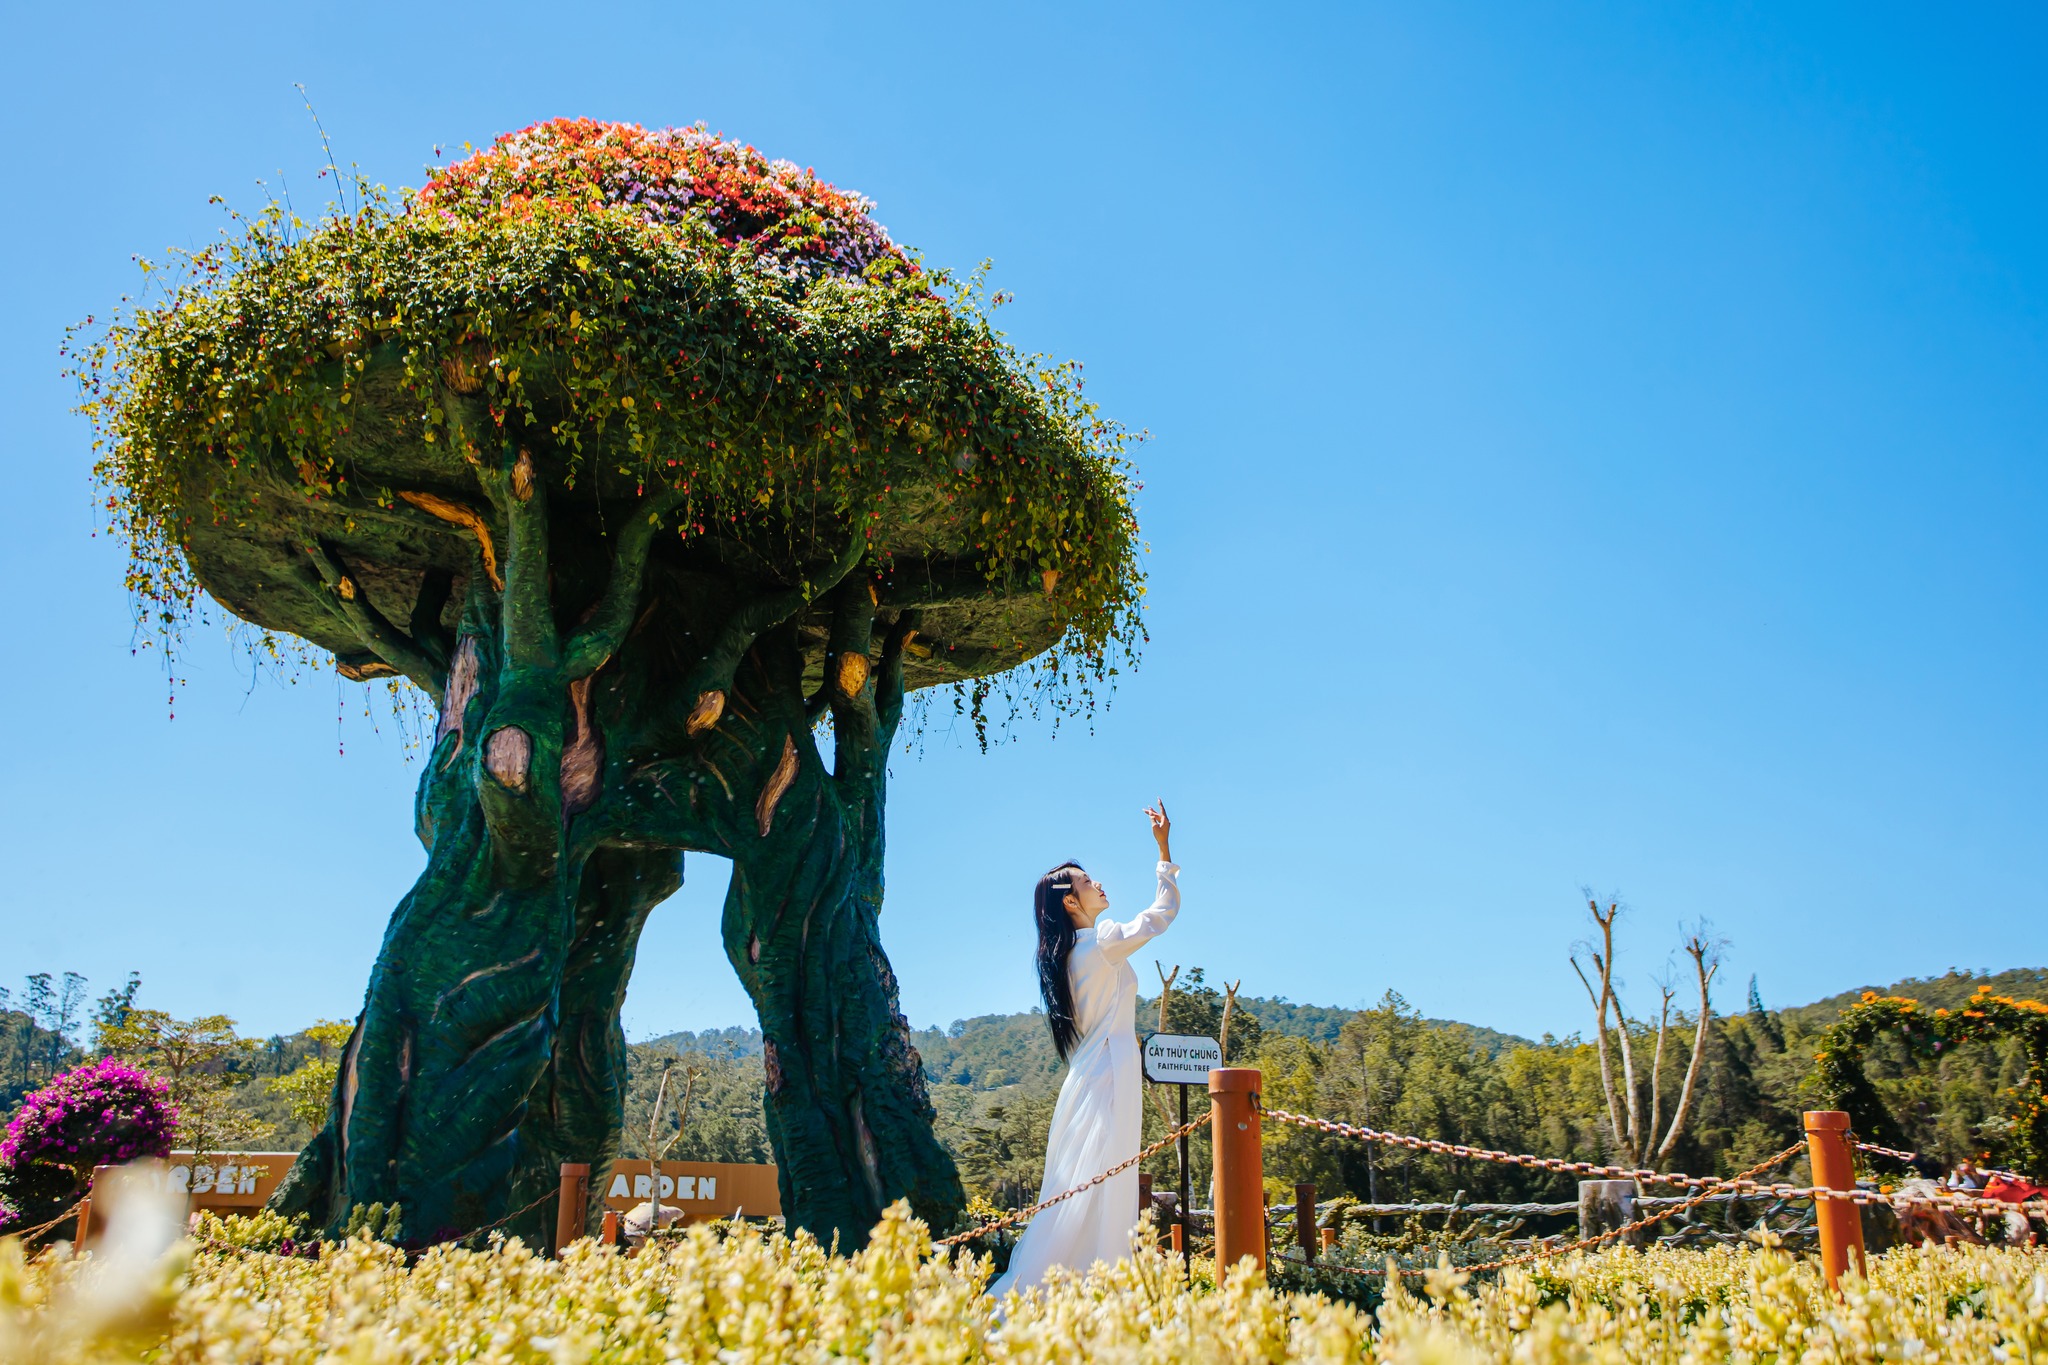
701 1189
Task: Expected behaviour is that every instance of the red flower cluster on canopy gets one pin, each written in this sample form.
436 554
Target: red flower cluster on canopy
795 221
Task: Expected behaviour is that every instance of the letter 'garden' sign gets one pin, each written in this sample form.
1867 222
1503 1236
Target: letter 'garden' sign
645 458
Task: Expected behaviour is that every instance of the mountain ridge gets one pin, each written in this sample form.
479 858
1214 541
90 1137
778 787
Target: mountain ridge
993 1051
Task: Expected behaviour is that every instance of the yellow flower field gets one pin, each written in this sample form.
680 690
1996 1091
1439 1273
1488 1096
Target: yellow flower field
752 1298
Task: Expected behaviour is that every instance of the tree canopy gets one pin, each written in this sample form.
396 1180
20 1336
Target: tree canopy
664 312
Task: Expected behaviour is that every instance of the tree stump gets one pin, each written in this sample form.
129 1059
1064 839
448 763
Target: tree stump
1605 1205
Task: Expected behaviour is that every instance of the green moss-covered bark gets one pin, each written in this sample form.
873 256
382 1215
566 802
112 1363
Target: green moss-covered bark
846 1103
570 770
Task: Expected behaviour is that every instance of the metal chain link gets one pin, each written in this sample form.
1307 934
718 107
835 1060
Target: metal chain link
1584 1242
1012 1219
1459 1149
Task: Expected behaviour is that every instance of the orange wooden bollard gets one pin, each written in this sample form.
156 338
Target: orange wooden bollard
1329 1239
569 1211
1174 1235
611 1228
1834 1168
1240 1167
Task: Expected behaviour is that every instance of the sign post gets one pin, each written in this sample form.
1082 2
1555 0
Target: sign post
1182 1059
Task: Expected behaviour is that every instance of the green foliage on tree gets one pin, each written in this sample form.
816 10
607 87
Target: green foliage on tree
308 1091
37 1031
2011 1033
204 1061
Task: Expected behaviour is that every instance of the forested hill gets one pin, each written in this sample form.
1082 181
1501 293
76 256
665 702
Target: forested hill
991 1051
1947 991
993 1081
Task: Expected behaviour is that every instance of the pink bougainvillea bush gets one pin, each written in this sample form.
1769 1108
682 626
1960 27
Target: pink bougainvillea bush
679 176
101 1114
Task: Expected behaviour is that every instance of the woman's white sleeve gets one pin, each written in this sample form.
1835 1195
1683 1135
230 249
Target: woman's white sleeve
1119 941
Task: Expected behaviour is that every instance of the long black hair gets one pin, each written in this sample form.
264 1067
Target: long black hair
1055 946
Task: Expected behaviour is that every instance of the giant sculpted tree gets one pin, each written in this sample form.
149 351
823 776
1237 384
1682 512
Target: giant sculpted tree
666 475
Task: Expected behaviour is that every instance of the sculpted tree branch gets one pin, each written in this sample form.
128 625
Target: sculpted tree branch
530 637
469 519
712 680
889 679
848 669
349 602
434 639
591 647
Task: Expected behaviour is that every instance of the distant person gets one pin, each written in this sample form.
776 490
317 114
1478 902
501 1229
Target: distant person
1965 1177
1091 1002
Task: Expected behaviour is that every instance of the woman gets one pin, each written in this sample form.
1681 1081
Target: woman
1091 1000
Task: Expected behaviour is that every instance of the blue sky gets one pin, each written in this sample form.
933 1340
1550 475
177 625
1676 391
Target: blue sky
1592 445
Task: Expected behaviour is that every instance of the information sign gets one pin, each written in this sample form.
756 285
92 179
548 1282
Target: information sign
1181 1058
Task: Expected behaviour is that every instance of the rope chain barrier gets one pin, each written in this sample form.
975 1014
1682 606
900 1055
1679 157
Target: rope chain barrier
1744 1185
1914 1158
1704 1188
1013 1218
1584 1169
28 1235
1582 1243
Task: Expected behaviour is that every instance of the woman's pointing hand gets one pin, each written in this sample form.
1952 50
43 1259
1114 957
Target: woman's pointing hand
1162 830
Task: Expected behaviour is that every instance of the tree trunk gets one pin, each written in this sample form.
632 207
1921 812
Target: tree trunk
846 1104
847 1110
568 773
489 1049
576 1112
465 1002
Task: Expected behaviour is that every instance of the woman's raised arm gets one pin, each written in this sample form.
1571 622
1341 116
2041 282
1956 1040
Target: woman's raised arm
1119 940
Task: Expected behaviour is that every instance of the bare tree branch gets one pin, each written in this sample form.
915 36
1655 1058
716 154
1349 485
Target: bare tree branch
1706 961
1598 999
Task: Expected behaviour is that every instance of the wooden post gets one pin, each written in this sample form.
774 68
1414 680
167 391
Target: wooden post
85 1228
1834 1168
1329 1239
569 1212
1305 1220
1144 1194
611 1228
1240 1169
1185 1246
1605 1205
1178 1238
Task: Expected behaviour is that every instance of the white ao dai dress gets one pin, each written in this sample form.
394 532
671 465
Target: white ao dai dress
1099 1119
